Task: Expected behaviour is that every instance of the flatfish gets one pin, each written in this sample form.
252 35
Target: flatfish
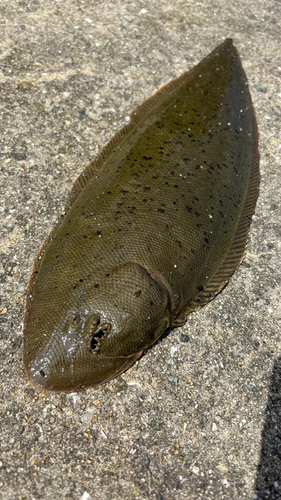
153 229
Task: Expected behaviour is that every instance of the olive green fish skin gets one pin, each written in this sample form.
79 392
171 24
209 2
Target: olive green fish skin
147 233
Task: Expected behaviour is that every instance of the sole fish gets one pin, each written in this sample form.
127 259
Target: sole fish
153 229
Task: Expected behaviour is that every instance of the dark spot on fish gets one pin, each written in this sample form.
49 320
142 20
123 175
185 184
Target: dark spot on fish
200 288
42 373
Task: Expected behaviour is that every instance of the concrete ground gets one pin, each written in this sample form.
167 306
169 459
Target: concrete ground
199 416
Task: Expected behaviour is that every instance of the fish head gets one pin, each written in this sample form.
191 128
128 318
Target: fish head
98 333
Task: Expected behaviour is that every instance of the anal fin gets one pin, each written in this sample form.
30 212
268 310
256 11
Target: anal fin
238 247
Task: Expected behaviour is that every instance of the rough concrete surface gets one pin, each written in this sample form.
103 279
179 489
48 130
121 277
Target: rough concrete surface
199 415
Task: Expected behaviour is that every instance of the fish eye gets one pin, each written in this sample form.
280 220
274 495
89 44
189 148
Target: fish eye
75 320
102 332
95 322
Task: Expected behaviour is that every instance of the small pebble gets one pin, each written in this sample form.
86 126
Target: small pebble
185 338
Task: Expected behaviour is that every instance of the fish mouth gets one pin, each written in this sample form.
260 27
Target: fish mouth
57 379
38 380
41 383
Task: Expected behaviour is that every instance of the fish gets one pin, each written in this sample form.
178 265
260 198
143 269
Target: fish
153 229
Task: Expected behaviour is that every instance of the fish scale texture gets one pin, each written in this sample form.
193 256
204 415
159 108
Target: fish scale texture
148 229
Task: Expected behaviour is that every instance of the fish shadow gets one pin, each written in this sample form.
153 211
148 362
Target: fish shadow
268 481
160 339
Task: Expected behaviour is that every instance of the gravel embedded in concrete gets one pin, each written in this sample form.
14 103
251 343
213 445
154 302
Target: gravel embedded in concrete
192 418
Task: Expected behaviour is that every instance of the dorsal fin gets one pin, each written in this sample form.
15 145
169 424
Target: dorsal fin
137 116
